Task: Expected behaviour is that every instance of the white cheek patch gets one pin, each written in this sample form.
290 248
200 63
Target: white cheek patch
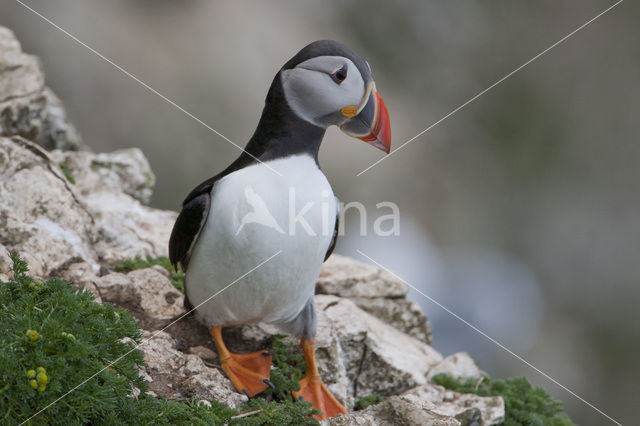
311 92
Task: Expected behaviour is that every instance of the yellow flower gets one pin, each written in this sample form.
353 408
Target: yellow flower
41 370
42 378
68 335
41 388
33 383
32 335
31 374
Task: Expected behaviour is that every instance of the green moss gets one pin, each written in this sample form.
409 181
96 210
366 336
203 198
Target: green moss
176 275
61 351
524 403
67 173
367 401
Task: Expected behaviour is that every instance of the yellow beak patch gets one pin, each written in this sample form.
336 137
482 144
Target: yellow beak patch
349 111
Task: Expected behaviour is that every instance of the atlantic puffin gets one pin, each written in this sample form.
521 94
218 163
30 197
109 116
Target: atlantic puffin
274 203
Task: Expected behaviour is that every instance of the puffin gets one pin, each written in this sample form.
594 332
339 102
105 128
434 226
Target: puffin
252 239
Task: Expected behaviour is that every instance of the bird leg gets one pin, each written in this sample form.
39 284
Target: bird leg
313 390
249 373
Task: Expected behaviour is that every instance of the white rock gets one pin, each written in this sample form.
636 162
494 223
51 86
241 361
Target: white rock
175 375
487 410
40 216
400 313
342 276
123 171
459 365
126 229
378 358
146 288
396 411
27 107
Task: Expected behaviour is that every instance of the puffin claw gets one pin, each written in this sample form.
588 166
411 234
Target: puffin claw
267 352
244 391
269 383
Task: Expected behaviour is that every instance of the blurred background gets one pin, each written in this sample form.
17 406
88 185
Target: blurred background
521 212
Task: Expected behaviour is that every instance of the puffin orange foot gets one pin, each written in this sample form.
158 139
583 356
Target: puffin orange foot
249 373
314 391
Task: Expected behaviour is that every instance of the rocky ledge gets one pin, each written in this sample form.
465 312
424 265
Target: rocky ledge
75 214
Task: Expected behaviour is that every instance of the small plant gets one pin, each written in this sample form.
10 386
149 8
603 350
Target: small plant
176 276
287 369
58 350
367 401
523 403
53 338
67 173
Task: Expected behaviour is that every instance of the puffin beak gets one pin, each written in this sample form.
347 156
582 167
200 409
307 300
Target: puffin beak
370 122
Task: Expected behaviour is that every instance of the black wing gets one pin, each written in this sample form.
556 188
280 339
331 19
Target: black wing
187 228
334 239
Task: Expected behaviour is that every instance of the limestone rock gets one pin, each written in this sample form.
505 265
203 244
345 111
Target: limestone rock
342 276
27 107
148 289
126 229
486 410
54 223
40 215
378 358
125 170
400 313
175 375
459 365
396 411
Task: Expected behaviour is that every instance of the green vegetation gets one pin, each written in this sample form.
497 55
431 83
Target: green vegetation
76 360
176 276
524 404
287 369
67 173
367 401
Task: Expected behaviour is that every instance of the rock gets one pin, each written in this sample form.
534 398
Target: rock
376 291
396 411
123 171
342 276
400 313
147 289
175 375
378 358
487 410
203 352
40 215
51 221
126 229
459 365
27 107
428 404
5 264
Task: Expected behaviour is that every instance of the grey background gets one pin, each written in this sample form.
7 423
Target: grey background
520 213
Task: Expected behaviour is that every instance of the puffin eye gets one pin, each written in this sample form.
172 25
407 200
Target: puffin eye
340 75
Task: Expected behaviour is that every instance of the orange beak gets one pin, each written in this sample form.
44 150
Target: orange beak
371 124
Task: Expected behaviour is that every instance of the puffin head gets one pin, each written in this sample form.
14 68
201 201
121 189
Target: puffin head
326 84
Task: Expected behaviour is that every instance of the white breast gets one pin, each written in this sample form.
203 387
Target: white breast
251 219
